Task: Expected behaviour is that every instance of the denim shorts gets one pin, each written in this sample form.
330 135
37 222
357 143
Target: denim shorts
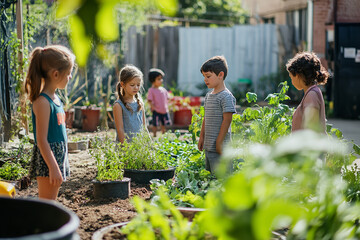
158 118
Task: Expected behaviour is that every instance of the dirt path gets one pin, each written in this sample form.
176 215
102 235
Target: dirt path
76 195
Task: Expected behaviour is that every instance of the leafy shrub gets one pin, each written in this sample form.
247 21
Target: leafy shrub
108 159
162 220
192 181
15 161
141 153
12 171
286 185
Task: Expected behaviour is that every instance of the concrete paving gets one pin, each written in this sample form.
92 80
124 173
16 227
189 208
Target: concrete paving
349 128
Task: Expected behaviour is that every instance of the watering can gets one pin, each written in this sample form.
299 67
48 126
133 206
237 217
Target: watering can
7 189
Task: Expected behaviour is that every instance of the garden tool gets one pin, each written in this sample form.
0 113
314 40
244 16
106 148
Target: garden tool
7 189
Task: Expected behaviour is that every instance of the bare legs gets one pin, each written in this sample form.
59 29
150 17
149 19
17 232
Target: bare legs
47 190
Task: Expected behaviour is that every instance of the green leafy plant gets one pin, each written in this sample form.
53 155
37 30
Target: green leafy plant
108 159
286 185
192 181
160 219
264 124
15 162
141 153
70 97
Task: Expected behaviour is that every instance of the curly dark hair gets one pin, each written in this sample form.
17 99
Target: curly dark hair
309 67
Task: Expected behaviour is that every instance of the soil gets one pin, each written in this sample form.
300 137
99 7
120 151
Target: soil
76 194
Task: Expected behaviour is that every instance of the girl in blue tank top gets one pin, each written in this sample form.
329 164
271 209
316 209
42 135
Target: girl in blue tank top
50 68
129 114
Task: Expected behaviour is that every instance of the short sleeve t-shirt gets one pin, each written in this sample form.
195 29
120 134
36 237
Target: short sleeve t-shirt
215 105
312 98
159 98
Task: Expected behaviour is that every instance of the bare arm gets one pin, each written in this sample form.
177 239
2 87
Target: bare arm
118 119
151 105
227 118
41 108
311 119
202 135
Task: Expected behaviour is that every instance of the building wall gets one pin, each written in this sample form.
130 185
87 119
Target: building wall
272 9
348 11
321 12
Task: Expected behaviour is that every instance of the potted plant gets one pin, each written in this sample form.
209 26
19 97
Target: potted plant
69 99
95 113
110 180
143 162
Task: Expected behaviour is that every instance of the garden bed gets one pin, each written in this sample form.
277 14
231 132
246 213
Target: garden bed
76 194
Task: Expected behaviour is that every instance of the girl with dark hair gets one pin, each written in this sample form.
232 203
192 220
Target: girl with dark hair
50 68
129 114
306 73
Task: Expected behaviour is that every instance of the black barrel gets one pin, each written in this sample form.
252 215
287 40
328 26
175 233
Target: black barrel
25 219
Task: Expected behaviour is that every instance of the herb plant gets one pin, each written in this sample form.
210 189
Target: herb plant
108 159
141 153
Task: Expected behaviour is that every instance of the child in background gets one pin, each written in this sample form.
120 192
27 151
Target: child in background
158 100
50 68
219 107
128 109
306 72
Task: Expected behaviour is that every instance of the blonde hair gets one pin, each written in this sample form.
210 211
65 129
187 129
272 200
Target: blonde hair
42 61
128 73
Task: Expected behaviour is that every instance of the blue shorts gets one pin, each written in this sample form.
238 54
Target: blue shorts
160 117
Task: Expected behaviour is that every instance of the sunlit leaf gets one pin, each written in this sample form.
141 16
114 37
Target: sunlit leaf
80 43
251 97
106 26
240 199
356 149
65 7
167 7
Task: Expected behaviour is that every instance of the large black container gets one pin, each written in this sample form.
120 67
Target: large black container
144 176
114 189
27 219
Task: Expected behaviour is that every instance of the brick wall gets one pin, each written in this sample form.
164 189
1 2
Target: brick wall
348 11
321 10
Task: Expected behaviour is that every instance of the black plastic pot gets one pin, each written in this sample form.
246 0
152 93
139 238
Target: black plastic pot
112 189
144 176
27 219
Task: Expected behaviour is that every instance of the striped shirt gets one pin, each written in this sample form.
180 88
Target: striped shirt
215 105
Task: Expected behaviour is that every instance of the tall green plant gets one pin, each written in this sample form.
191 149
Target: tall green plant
71 91
108 159
267 123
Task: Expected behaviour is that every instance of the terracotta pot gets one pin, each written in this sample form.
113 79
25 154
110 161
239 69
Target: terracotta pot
69 118
90 119
182 117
